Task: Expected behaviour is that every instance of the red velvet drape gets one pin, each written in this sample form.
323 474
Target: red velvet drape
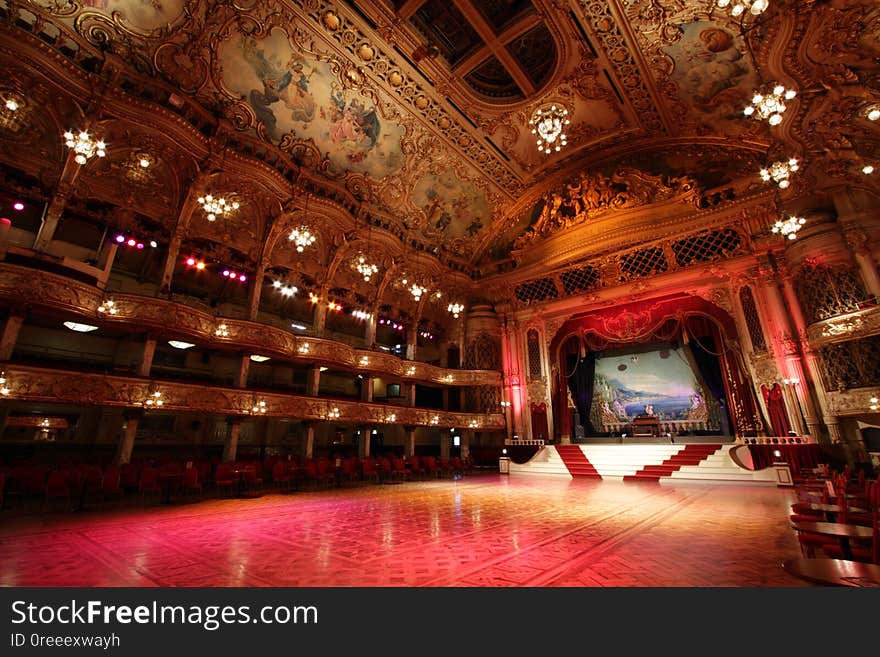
539 421
773 398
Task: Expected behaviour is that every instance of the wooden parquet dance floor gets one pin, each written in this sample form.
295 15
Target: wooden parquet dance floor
482 531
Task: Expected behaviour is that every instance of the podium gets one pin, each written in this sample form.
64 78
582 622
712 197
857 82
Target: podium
645 425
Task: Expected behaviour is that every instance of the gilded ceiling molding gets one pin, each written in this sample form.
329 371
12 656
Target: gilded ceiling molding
602 21
45 290
590 195
83 388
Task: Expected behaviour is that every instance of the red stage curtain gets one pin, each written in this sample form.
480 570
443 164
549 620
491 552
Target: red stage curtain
776 409
539 421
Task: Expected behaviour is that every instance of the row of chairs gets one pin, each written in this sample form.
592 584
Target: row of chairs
860 493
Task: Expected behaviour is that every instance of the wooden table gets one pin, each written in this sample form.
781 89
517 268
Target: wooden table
834 572
831 510
842 531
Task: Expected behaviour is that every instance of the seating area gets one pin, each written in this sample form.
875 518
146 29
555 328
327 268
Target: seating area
37 487
837 520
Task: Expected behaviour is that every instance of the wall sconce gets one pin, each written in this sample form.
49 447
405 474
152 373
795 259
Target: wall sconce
410 371
364 361
304 348
333 413
258 407
4 384
154 400
391 418
222 331
435 419
874 402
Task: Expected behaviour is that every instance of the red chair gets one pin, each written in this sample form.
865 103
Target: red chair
149 482
398 469
281 476
370 469
110 484
57 487
225 478
191 483
415 466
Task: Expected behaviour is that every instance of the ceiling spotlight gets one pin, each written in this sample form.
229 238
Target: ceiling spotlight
873 113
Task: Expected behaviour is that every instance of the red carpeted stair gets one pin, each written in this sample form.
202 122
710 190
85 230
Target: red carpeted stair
690 455
576 462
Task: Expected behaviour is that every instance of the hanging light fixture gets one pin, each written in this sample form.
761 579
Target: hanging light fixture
548 123
216 207
738 7
456 309
84 146
365 268
14 109
779 172
789 227
302 237
769 106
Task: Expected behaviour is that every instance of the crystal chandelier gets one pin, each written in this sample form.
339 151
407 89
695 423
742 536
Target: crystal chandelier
547 124
364 268
455 309
416 290
216 207
737 7
302 237
779 172
771 105
13 111
84 146
789 227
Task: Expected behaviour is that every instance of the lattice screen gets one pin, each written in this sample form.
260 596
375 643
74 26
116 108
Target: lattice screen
538 290
714 245
645 262
753 321
483 399
534 349
824 292
581 279
483 353
854 364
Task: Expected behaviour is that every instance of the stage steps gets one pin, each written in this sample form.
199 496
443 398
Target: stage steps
687 455
576 462
616 461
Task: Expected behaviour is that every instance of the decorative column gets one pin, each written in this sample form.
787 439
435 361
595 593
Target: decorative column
230 447
319 318
367 388
243 368
170 263
309 426
410 394
411 340
147 357
58 202
370 329
444 445
10 335
129 430
313 381
857 240
410 444
364 443
466 442
784 335
796 366
255 291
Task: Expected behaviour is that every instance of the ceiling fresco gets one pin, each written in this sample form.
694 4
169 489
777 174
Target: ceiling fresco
420 109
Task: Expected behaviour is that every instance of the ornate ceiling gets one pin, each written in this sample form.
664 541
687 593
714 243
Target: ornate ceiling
419 110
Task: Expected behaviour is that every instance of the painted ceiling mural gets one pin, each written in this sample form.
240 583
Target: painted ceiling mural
294 93
357 93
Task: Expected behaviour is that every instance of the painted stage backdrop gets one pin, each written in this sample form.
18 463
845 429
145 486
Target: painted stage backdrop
661 383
